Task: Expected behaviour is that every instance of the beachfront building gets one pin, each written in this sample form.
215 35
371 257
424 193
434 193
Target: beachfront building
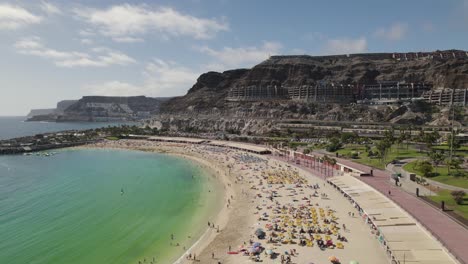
323 92
224 144
447 96
178 140
239 146
257 92
389 92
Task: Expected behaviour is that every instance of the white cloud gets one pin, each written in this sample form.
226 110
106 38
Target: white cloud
50 8
14 17
100 58
161 78
86 33
130 21
113 88
346 46
86 41
128 39
395 32
228 57
168 78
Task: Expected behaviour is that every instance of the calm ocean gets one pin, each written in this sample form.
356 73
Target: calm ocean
100 207
11 127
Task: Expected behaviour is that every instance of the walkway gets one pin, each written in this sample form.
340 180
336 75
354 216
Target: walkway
451 234
408 185
399 169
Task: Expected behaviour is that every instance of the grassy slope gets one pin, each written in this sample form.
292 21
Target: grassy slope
447 197
443 176
394 153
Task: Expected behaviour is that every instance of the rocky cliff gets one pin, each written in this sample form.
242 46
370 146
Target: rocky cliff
211 88
205 107
50 113
103 109
40 112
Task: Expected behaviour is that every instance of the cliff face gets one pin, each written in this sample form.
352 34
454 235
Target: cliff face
211 88
50 113
209 91
40 112
63 105
106 108
205 107
103 109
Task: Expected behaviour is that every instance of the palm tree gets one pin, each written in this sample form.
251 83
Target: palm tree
332 163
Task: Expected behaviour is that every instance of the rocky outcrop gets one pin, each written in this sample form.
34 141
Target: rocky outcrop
205 107
103 109
211 88
40 112
63 105
51 113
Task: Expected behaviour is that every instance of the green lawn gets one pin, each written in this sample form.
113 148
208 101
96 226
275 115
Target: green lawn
394 153
112 138
447 197
446 147
443 176
462 151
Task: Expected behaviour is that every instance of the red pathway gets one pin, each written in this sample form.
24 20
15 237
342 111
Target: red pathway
451 234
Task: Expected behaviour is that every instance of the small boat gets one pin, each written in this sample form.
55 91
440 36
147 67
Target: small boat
121 191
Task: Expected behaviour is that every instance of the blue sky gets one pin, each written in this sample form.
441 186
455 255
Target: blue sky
56 50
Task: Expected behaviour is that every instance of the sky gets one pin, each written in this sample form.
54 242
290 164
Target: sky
58 50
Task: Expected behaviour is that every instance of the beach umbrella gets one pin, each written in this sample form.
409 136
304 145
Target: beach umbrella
332 258
260 233
256 244
269 251
353 262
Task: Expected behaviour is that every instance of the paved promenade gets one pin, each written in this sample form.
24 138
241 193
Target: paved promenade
451 234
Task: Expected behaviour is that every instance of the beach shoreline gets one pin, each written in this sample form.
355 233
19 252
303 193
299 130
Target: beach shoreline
242 206
219 216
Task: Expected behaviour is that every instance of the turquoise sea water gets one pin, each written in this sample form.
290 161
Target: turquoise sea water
69 208
11 127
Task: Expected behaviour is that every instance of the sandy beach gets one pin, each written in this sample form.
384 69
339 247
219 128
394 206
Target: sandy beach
272 212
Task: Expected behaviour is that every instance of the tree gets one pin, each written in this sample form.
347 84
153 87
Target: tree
368 148
334 144
454 164
458 196
328 162
455 144
306 151
383 146
426 168
406 137
436 157
430 138
349 137
420 138
332 162
389 136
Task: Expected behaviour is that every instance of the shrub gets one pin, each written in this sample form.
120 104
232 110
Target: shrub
426 168
354 155
458 196
334 145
